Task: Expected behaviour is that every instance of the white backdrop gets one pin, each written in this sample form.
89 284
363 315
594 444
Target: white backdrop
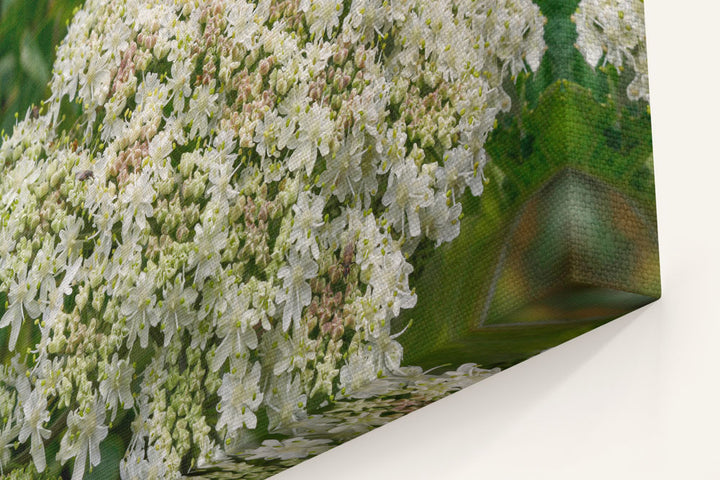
637 398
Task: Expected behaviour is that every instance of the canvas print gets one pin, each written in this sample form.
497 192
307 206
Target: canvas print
235 234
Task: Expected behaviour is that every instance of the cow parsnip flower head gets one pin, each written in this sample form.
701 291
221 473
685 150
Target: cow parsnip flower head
614 30
225 231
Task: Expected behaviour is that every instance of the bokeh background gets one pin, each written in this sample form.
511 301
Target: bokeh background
29 32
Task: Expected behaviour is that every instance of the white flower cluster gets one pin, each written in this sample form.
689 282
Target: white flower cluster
222 237
375 404
615 28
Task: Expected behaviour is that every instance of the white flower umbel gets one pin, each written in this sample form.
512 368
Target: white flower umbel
202 107
229 221
615 29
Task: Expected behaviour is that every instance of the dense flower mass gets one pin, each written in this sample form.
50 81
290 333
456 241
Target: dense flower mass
615 29
224 234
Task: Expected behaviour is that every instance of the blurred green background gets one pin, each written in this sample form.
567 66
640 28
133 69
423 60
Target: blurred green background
30 30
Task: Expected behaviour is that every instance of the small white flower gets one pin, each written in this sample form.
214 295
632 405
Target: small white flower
242 23
139 310
151 92
70 246
202 108
615 28
367 249
389 282
368 183
116 40
236 331
322 15
295 103
441 221
179 83
407 192
308 218
136 467
160 148
177 304
268 141
386 350
209 241
7 440
458 172
343 170
21 302
288 351
394 148
16 181
95 82
365 17
295 292
56 297
358 372
286 402
7 243
240 396
35 415
288 449
86 429
137 197
44 267
315 130
125 261
115 388
221 174
317 55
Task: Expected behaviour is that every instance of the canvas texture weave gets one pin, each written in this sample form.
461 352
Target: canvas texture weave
239 233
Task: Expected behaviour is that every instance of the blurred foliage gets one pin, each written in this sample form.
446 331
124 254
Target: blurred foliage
30 30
